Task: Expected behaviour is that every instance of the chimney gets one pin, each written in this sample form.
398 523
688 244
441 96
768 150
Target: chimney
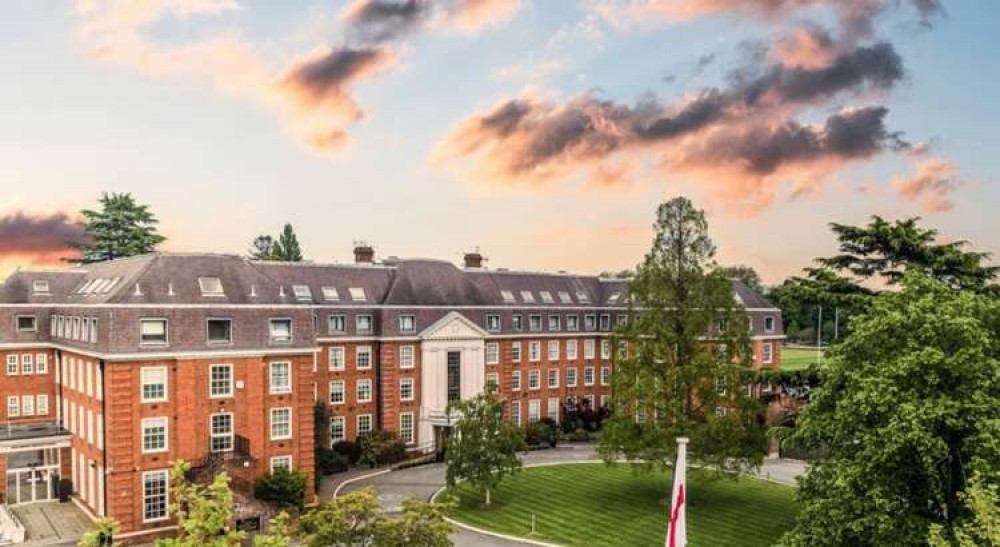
474 259
363 253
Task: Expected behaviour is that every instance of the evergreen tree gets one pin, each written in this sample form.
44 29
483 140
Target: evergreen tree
907 410
285 249
119 229
668 382
482 447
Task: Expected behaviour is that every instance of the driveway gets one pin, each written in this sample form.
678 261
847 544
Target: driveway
423 481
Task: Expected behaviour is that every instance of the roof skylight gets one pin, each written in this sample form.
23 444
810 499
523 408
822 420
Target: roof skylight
546 297
40 286
565 298
508 297
330 293
357 293
583 297
302 292
527 297
211 286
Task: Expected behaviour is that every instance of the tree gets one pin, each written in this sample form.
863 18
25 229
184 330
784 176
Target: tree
482 447
286 248
279 534
203 513
907 409
283 487
981 527
668 382
887 250
746 274
103 536
121 228
357 520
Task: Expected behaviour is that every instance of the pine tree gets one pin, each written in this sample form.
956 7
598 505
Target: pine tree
121 228
668 382
285 249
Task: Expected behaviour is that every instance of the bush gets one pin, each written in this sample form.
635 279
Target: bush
349 450
382 447
283 487
580 435
329 461
540 433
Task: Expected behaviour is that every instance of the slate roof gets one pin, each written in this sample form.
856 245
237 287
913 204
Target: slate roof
173 278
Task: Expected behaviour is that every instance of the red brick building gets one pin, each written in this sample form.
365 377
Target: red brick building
113 370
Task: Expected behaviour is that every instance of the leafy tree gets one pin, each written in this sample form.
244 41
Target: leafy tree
284 487
981 527
279 533
669 382
286 248
103 536
203 513
482 448
746 274
357 520
262 248
420 524
907 409
119 229
792 331
885 250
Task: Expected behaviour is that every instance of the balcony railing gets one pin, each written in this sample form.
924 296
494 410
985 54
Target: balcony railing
213 462
16 431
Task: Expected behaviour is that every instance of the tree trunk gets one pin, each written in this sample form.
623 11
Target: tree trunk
487 496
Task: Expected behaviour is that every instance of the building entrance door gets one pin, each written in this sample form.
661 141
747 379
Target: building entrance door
33 476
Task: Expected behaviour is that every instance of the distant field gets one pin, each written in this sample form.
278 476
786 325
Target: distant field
797 358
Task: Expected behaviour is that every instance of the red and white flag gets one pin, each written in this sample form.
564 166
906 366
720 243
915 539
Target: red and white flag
677 528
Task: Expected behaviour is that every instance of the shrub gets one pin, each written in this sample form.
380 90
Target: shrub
329 461
283 487
382 447
349 450
540 433
580 435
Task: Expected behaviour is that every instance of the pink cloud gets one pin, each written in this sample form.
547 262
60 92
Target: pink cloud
931 186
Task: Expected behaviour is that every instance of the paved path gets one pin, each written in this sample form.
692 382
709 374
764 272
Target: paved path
52 523
423 481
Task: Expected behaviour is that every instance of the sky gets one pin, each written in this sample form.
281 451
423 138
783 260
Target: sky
543 132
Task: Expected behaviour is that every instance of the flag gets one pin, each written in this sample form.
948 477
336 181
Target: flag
677 527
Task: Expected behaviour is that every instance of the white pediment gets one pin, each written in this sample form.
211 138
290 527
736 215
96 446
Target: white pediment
453 326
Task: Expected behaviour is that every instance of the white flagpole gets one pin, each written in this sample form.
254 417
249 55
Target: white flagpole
677 528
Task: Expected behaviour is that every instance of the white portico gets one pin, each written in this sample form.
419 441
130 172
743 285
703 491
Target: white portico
453 365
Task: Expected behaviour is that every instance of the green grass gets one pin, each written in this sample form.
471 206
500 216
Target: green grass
797 358
593 504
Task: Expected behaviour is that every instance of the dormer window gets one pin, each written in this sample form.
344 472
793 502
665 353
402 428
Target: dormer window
330 293
40 286
26 323
302 292
527 297
211 286
152 332
281 331
363 323
407 323
546 297
508 297
565 298
357 294
493 322
769 324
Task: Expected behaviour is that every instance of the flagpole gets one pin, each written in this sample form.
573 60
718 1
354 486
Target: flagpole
677 528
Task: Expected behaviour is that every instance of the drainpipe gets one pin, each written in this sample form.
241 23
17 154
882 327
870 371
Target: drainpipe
104 433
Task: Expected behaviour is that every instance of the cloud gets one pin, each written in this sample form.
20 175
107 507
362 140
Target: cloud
38 239
744 135
931 185
323 81
471 16
856 16
378 21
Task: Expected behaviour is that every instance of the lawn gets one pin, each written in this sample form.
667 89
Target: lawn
797 358
593 504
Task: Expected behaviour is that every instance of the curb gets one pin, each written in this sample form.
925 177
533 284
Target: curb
336 491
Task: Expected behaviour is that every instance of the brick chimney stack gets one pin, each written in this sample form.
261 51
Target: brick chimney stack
363 253
474 259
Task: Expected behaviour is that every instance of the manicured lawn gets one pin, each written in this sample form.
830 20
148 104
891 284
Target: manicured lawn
797 358
593 504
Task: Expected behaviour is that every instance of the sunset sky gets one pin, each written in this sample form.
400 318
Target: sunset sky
544 132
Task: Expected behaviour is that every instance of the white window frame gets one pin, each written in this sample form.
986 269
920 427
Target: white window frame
27 405
534 410
339 318
605 376
342 385
212 383
144 381
230 436
573 323
553 409
493 322
13 406
571 377
358 351
41 363
275 413
413 323
402 392
553 350
534 379
515 351
208 331
357 390
769 319
13 366
407 433
515 412
407 357
589 349
338 358
34 323
280 340
553 378
492 353
42 405
571 353
588 376
515 380
605 349
206 284
767 353
357 424
342 423
146 425
144 320
555 323
364 330
493 378
278 460
534 351
279 389
27 363
161 475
